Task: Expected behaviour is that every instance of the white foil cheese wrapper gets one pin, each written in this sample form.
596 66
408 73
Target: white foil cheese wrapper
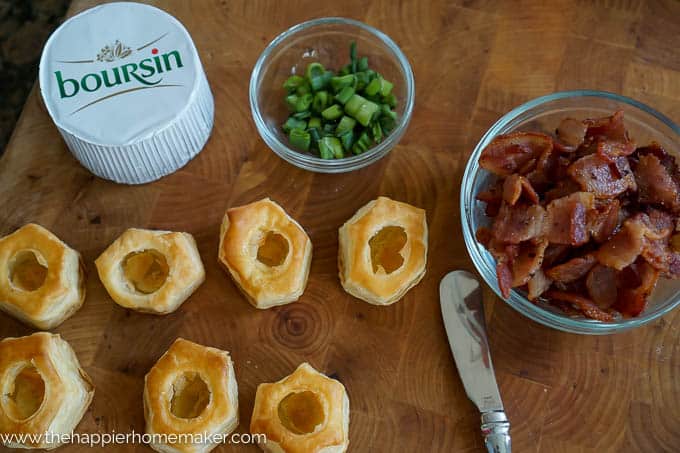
124 85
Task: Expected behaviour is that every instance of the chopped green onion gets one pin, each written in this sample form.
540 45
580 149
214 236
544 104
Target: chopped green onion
362 144
362 80
376 132
314 123
338 83
391 100
346 124
347 69
320 101
344 95
328 128
331 146
361 109
362 65
302 115
293 82
291 101
347 139
304 102
315 70
333 112
294 123
353 56
299 139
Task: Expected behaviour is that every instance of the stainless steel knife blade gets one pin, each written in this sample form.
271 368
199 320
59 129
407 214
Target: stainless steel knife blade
461 303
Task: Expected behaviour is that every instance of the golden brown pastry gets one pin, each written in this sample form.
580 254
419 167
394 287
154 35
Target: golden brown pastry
41 278
44 390
306 412
383 251
191 390
151 271
266 252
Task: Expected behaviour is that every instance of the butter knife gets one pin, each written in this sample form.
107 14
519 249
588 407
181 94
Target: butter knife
461 301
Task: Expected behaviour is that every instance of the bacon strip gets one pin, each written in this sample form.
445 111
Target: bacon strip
510 152
602 178
515 224
584 305
572 270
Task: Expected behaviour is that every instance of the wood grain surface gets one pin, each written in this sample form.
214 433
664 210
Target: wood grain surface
473 61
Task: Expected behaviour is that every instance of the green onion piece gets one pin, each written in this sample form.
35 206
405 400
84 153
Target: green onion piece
315 134
330 147
314 70
333 112
347 139
391 100
338 83
314 123
292 83
299 139
376 132
362 65
362 144
353 56
320 82
387 111
304 102
328 128
368 111
347 69
373 87
291 101
362 80
344 95
371 74
387 124
346 124
294 123
304 88
353 104
386 87
302 115
320 101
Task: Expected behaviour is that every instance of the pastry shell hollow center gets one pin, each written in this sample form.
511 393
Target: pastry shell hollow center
24 393
301 412
190 395
27 270
273 249
385 247
146 270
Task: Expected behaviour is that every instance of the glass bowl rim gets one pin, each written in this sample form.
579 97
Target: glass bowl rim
314 163
516 299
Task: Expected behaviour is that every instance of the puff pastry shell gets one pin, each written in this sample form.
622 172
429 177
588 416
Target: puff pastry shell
243 231
55 298
25 363
330 436
218 414
354 258
185 269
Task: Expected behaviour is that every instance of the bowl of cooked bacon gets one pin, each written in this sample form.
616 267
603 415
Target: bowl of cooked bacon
570 206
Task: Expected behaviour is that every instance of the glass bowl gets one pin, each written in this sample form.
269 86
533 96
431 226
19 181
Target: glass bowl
544 114
326 40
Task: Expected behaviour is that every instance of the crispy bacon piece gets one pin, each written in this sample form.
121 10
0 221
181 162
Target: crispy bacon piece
538 284
572 132
515 224
603 220
601 284
608 127
493 198
602 178
610 150
514 186
572 270
623 248
484 236
566 219
632 299
655 183
527 261
509 152
584 305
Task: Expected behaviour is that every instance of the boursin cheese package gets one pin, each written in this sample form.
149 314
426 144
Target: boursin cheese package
124 85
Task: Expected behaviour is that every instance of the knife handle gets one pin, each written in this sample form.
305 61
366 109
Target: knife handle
496 432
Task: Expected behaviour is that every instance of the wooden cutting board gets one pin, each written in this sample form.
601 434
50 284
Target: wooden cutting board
473 61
